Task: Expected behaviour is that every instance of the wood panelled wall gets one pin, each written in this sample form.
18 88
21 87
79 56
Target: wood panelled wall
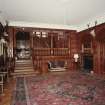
97 48
74 49
71 44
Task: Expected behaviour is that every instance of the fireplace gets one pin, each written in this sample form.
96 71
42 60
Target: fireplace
57 65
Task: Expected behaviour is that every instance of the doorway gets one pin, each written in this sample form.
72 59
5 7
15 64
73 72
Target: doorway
87 63
23 50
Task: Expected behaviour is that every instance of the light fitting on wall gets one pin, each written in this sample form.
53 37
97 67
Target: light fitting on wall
2 40
76 56
5 34
92 32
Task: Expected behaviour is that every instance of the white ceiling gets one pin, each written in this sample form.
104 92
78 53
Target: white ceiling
60 12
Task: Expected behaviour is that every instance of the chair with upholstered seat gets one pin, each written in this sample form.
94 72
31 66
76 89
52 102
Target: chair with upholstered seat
2 82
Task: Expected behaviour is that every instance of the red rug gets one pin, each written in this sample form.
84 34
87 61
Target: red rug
61 89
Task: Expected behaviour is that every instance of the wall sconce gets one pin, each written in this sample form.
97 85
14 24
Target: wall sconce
92 32
5 34
76 56
2 40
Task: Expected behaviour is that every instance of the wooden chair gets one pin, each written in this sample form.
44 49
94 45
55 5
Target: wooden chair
3 77
5 72
2 82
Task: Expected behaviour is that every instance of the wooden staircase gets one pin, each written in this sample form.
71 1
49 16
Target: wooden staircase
23 67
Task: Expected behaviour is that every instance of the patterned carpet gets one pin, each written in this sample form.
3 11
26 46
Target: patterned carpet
60 89
19 94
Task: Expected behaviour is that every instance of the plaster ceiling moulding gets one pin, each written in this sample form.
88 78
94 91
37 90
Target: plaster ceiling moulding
75 13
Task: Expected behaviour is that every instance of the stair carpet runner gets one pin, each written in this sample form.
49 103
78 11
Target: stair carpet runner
23 67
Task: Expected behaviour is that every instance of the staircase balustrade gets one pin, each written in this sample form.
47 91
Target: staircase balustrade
51 52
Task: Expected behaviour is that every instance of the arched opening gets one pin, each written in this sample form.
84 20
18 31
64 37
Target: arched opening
23 45
88 63
87 55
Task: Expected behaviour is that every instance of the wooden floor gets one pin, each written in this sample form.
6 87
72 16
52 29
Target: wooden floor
5 99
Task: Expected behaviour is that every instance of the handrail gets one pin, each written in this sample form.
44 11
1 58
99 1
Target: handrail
49 48
51 51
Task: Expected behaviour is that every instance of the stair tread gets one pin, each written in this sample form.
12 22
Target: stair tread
24 64
23 73
23 67
24 70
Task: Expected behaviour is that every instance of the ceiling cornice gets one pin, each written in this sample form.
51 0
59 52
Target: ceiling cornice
40 25
100 19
